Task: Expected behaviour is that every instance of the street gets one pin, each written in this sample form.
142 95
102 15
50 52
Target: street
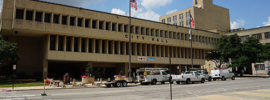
240 89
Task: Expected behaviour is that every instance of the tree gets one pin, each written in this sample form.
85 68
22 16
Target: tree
230 47
8 51
214 56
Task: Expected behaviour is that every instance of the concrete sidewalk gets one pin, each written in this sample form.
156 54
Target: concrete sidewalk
97 85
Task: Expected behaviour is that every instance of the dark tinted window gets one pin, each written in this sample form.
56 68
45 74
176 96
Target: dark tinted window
29 15
47 17
80 22
64 20
19 13
72 21
56 19
68 43
61 43
39 16
52 42
87 22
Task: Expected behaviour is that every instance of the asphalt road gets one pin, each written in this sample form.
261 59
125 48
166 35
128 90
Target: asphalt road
239 89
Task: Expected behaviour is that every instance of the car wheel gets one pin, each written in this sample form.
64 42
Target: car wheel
108 85
162 82
118 84
223 78
154 82
209 79
124 84
178 82
203 80
188 81
233 78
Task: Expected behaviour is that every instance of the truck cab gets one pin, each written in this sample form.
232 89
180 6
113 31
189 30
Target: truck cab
152 75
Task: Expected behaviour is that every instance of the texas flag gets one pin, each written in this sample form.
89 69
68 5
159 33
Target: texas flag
192 20
133 3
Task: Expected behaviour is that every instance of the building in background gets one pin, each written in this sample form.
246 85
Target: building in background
261 33
54 39
207 16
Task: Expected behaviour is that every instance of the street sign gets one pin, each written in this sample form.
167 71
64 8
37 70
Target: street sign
142 58
151 59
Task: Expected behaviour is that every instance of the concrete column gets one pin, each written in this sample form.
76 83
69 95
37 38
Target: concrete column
76 21
151 50
140 45
56 42
107 46
65 43
145 49
43 17
119 48
34 16
52 17
113 47
68 20
126 69
45 68
124 48
83 22
24 16
80 44
72 44
94 45
86 44
60 19
135 48
100 46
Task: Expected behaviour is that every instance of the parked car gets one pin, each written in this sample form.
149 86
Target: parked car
152 75
203 72
188 77
222 74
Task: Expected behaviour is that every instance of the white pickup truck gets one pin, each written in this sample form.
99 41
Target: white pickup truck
188 77
152 75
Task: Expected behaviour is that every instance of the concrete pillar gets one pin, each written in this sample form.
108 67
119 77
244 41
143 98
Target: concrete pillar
126 69
56 42
65 43
79 44
94 45
45 68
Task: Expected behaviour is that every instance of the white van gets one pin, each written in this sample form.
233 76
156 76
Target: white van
222 74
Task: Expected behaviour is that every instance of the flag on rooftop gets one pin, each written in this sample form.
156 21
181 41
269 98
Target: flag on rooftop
133 3
192 20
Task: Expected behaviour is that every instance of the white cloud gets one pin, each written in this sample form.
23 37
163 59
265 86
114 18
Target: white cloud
118 11
238 24
148 4
172 11
267 23
77 3
145 14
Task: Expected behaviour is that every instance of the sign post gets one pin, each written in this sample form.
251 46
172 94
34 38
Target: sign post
14 67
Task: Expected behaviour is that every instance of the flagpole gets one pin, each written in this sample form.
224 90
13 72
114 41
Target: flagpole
129 43
190 33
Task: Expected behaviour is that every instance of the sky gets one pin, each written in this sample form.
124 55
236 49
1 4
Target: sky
243 13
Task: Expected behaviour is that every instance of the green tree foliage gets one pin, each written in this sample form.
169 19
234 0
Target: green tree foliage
242 54
8 51
215 56
229 47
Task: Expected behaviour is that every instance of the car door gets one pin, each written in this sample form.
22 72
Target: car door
197 76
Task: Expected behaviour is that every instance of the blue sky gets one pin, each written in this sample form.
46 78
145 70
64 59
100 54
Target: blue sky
243 13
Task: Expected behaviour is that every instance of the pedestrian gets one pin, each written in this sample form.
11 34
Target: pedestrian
66 79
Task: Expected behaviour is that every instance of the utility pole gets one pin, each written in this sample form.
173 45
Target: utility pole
170 78
129 43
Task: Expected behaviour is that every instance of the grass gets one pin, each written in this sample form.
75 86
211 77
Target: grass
21 85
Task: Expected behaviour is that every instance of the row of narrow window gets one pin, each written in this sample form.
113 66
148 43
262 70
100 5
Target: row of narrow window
102 25
88 45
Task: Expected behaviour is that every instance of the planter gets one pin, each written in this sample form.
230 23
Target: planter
119 77
85 80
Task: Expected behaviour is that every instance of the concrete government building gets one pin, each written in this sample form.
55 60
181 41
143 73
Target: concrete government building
54 39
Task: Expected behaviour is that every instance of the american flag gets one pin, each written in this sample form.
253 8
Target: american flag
133 3
192 20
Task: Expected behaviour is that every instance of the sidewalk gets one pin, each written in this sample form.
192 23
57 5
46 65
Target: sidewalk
97 85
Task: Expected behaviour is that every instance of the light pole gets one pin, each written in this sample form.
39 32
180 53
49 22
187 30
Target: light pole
170 78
